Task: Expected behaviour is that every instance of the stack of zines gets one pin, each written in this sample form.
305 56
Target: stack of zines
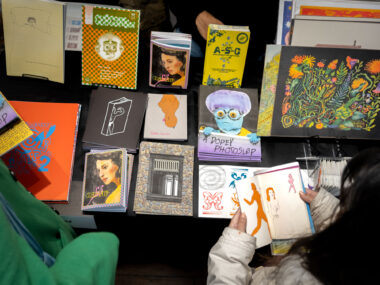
106 180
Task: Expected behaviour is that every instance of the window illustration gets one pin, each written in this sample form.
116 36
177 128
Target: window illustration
165 178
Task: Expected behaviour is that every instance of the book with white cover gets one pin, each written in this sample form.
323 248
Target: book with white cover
166 117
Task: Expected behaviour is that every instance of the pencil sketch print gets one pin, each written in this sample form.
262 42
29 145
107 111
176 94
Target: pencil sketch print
211 177
116 118
274 206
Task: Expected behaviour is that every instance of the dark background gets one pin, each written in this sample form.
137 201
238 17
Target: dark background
182 242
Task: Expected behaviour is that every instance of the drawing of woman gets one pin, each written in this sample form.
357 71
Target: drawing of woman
274 206
106 170
173 65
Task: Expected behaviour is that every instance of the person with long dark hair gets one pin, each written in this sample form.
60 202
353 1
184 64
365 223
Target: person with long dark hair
341 252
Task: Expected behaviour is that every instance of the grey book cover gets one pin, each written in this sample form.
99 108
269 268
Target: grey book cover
115 118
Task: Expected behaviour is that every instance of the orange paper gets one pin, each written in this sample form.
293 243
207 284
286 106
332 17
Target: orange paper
43 162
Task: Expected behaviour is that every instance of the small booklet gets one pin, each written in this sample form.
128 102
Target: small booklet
13 129
105 182
8 116
169 60
166 117
226 52
273 206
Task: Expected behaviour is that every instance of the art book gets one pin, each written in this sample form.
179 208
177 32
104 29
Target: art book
34 38
169 60
319 91
43 163
114 119
217 196
166 117
347 32
226 52
357 9
217 191
227 124
110 39
164 179
105 186
13 129
284 22
273 206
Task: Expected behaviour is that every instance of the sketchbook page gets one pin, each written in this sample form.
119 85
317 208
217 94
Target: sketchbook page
34 39
217 189
250 200
288 215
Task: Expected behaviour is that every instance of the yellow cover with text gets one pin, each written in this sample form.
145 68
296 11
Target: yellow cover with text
226 52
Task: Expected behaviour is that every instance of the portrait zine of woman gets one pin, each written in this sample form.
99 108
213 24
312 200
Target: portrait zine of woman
169 67
103 181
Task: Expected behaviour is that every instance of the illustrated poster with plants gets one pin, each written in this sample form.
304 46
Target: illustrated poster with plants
327 92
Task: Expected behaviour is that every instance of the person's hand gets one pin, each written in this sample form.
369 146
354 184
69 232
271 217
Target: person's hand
203 20
239 221
308 196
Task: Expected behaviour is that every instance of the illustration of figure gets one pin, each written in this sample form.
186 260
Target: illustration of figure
291 183
109 46
274 206
229 108
107 167
260 212
119 111
169 105
116 117
174 62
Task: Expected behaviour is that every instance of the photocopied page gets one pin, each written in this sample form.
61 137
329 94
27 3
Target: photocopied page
288 215
34 38
250 199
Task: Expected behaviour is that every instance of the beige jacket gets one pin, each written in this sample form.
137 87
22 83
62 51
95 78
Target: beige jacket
230 256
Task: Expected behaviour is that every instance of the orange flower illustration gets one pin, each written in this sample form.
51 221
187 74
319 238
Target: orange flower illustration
332 65
294 71
320 64
373 66
298 59
359 82
351 61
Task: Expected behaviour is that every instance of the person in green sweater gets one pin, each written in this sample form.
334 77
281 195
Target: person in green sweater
38 247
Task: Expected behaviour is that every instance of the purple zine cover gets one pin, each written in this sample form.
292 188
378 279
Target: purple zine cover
221 147
228 124
7 114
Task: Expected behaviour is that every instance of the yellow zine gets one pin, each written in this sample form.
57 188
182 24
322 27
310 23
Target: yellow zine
226 52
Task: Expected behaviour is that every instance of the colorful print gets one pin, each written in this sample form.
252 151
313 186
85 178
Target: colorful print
340 94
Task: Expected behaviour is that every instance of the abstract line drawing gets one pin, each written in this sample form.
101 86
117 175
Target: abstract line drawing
212 177
116 118
211 199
